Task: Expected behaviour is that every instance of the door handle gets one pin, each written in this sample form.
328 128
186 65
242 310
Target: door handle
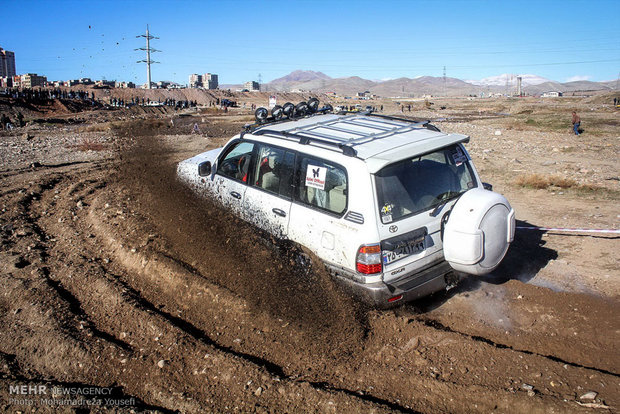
235 195
279 212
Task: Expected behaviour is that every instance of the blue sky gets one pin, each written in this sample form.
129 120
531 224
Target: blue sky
238 40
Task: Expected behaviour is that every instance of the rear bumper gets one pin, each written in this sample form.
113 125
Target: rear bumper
411 287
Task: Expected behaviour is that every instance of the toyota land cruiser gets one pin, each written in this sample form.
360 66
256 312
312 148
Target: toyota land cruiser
394 208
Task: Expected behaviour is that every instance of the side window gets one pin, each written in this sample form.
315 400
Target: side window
274 169
236 162
321 184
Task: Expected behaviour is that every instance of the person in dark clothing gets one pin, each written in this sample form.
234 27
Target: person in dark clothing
20 119
576 123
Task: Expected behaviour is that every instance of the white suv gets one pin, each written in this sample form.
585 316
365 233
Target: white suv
394 208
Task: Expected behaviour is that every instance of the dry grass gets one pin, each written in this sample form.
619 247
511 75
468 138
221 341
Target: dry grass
539 181
88 144
594 190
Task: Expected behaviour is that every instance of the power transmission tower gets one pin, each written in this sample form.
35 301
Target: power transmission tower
260 81
508 84
148 50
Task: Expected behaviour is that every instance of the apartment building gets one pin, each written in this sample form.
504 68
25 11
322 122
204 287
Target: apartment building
7 63
208 81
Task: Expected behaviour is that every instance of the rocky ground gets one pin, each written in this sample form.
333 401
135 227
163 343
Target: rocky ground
115 276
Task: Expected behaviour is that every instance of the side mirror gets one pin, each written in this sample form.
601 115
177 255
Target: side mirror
204 168
487 186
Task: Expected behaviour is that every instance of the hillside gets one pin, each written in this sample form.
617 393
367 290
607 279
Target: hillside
305 80
296 79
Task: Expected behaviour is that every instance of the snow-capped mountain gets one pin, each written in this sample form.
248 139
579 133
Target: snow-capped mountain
511 79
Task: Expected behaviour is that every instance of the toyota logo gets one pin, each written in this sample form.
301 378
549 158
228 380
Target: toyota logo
393 229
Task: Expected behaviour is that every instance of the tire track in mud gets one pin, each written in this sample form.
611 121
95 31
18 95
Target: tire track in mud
45 324
42 271
432 323
393 376
81 190
565 326
199 334
74 305
14 375
273 369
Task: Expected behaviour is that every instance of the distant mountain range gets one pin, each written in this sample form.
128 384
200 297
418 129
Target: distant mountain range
306 80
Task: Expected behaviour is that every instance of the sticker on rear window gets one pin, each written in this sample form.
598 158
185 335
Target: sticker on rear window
315 177
458 156
386 213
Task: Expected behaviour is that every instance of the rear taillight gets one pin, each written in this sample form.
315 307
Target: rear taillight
395 298
369 259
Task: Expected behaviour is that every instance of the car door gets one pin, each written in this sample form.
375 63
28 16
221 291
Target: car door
231 178
320 202
267 201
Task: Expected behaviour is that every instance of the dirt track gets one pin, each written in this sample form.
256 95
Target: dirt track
114 276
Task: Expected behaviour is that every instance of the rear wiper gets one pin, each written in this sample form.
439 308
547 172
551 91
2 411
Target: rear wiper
445 197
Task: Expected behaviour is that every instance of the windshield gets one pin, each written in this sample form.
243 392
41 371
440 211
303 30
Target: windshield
421 183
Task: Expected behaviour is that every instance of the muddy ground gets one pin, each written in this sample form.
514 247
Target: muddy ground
115 276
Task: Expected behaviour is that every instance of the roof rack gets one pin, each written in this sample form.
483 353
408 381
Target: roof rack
393 127
307 134
305 140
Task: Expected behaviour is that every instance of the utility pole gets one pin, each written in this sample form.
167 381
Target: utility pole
260 81
148 50
444 81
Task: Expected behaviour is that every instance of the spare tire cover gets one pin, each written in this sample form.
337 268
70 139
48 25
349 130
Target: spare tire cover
478 232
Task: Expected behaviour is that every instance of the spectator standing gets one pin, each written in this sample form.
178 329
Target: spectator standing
576 123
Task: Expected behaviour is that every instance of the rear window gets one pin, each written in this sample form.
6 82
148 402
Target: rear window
418 184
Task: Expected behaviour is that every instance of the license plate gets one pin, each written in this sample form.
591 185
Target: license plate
412 247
